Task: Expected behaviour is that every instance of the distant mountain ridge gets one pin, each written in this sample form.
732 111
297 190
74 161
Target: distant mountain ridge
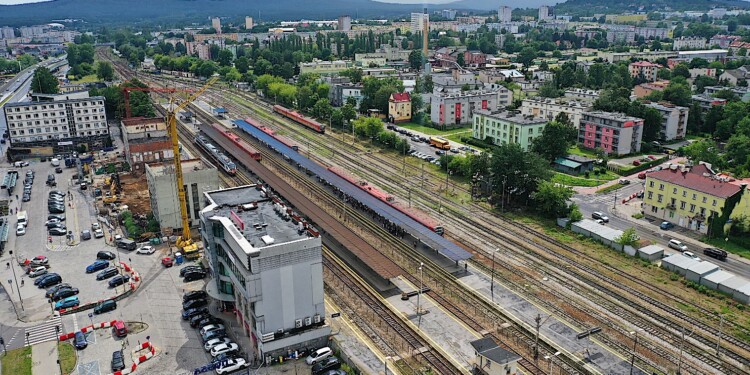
118 12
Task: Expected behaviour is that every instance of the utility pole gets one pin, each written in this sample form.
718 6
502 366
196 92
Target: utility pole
419 305
718 339
13 267
682 347
538 321
635 344
492 275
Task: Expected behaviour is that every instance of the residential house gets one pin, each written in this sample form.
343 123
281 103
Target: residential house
574 164
691 197
491 359
674 120
399 107
645 89
645 69
456 109
734 76
549 108
339 93
687 43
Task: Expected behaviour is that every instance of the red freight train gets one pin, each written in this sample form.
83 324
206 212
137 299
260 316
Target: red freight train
299 118
388 199
216 130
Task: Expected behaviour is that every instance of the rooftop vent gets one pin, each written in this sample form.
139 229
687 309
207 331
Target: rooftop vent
267 240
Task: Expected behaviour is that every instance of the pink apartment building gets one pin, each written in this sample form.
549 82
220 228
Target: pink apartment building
615 133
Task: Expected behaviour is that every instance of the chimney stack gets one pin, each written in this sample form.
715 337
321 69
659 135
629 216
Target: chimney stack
425 37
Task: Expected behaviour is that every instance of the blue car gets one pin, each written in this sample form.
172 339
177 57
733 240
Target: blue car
96 266
665 225
80 340
68 302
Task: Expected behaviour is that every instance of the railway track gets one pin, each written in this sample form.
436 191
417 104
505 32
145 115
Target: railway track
552 246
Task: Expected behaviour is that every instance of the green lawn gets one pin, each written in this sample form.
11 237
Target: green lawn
609 189
67 357
456 137
17 361
431 131
85 79
736 245
575 150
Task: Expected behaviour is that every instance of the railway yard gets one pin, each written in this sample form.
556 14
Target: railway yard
530 287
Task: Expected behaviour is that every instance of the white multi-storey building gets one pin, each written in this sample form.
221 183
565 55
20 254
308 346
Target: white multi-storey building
344 23
544 13
674 120
267 267
684 43
504 14
7 32
549 108
417 21
61 121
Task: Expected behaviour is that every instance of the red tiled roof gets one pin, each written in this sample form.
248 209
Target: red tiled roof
644 63
400 97
695 180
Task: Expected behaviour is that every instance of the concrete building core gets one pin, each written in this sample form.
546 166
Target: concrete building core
266 265
199 176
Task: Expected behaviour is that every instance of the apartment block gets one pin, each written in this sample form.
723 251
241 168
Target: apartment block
693 42
507 127
60 121
344 23
324 67
691 197
504 14
456 109
146 141
266 265
615 133
549 108
674 120
417 22
645 69
199 176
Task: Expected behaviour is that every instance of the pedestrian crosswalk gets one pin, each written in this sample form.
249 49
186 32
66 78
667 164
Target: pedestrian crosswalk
43 332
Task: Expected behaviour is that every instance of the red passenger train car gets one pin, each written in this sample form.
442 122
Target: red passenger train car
216 130
300 118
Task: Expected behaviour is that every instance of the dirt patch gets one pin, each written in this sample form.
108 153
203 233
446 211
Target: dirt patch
135 194
136 327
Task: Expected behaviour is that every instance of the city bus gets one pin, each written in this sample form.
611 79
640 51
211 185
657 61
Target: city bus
440 143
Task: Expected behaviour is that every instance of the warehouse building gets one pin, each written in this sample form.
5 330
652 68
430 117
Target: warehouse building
266 264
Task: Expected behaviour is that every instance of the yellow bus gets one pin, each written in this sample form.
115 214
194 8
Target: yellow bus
440 143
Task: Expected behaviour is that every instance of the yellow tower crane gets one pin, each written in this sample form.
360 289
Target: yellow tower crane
184 241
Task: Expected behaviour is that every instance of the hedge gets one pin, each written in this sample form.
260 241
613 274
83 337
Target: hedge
642 167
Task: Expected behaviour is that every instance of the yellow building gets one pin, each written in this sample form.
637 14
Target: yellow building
626 18
692 197
399 107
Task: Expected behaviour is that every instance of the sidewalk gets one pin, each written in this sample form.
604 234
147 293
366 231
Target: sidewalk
44 359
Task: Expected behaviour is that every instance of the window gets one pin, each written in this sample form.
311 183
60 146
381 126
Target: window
705 199
661 186
650 195
682 205
714 203
674 190
651 184
703 211
660 198
694 196
692 208
673 202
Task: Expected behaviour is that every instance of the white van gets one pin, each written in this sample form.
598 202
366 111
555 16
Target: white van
319 355
22 218
55 162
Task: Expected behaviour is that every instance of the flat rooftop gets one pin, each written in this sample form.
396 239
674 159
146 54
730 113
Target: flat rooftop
248 207
160 169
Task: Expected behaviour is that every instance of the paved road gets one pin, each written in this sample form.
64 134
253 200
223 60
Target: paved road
648 230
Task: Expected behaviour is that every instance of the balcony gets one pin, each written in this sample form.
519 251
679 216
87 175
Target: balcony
671 207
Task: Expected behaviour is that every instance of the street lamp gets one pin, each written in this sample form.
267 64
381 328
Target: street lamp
635 344
419 294
10 252
492 275
551 358
57 331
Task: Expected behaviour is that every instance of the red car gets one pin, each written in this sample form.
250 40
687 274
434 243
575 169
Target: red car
636 162
642 175
167 262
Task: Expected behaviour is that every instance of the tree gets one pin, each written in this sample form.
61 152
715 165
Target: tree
354 74
551 199
322 109
555 140
415 59
562 118
104 71
695 118
681 69
705 150
368 126
348 112
242 64
575 213
427 85
629 237
678 93
460 59
526 56
44 82
516 172
232 75
548 90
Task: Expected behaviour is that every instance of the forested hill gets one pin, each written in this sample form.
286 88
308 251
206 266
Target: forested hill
103 12
590 7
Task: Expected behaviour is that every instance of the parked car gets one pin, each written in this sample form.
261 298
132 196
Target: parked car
195 320
224 348
66 303
209 328
677 245
57 231
56 209
120 329
20 230
231 365
64 293
715 253
624 181
190 268
118 361
41 260
37 271
194 303
167 262
52 223
80 340
98 233
58 170
642 175
54 289
206 320
210 344
85 234
96 266
600 215
666 225
56 216
195 294
49 280
105 306
118 280
325 365
319 355
335 372
108 255
145 250
187 314
41 278
192 276
215 334
690 255
107 273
